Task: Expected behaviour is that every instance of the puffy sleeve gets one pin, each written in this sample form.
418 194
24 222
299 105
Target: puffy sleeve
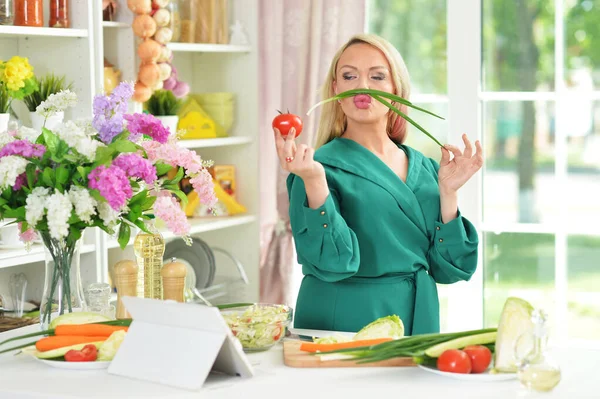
453 252
326 247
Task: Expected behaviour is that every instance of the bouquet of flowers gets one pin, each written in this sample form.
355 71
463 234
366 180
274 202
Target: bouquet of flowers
16 81
114 172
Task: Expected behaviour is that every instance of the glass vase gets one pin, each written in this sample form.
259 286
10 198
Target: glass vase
63 289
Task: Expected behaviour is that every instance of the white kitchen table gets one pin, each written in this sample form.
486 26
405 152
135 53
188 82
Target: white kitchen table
22 377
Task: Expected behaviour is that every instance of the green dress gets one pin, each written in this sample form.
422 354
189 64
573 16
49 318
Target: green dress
377 246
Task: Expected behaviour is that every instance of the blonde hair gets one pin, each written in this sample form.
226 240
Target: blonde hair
333 121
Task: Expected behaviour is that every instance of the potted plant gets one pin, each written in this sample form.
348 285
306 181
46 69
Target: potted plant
118 172
16 82
48 87
164 105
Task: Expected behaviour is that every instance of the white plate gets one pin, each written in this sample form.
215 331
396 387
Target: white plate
74 365
480 377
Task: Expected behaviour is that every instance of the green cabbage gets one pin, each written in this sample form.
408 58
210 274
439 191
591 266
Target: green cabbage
384 327
515 321
109 348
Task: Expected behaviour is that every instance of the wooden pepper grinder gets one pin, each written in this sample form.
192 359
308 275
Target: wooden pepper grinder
173 276
126 279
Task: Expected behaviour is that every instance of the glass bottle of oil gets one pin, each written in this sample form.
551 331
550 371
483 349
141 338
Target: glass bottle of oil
149 250
536 369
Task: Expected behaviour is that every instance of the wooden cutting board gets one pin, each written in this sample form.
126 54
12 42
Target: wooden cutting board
294 357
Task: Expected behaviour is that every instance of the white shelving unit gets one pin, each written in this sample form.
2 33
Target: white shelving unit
79 53
220 142
25 31
208 48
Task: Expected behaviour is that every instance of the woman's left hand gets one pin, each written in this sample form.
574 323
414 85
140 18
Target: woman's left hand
453 174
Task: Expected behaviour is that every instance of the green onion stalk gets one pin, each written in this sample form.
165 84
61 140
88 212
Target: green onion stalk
379 96
413 346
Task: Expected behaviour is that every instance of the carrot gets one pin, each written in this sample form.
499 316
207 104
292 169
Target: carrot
87 330
55 342
313 347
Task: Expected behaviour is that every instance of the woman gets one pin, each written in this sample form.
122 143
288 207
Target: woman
375 223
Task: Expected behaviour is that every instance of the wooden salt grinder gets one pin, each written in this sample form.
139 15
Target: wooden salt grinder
173 276
126 279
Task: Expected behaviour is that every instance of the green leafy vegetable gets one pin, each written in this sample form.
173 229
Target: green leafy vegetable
379 95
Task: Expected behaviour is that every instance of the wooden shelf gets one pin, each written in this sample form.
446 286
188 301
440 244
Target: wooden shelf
208 48
14 257
201 225
218 142
117 25
26 31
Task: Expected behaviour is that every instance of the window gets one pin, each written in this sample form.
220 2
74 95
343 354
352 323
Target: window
524 77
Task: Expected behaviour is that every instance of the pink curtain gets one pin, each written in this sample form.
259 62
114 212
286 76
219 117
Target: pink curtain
298 39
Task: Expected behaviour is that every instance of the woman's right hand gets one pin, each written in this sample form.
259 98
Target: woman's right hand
297 159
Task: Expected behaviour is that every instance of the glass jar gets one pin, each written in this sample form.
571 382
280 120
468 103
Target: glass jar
29 13
205 18
175 21
99 299
7 15
188 10
221 23
59 14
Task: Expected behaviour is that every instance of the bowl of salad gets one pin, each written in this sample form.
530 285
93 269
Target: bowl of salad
258 326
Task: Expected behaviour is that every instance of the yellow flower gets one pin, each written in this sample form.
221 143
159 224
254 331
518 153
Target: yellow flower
16 71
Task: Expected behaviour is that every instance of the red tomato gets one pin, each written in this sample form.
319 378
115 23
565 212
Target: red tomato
480 356
89 353
454 361
284 122
278 333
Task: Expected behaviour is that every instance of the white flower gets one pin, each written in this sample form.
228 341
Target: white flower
29 134
10 167
59 211
36 204
83 202
108 215
5 138
78 138
57 102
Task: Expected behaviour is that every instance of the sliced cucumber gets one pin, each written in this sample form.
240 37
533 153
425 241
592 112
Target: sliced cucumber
459 343
60 352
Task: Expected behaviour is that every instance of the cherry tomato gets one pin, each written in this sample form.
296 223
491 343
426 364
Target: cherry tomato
89 353
278 333
454 361
480 356
284 122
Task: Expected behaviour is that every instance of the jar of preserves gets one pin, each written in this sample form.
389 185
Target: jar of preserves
7 15
29 13
59 14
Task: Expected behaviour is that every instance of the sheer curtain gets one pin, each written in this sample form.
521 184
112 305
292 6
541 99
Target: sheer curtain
297 42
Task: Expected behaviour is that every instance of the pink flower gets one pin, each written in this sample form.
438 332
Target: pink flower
204 186
28 235
169 210
135 166
146 124
20 182
112 184
173 155
23 148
